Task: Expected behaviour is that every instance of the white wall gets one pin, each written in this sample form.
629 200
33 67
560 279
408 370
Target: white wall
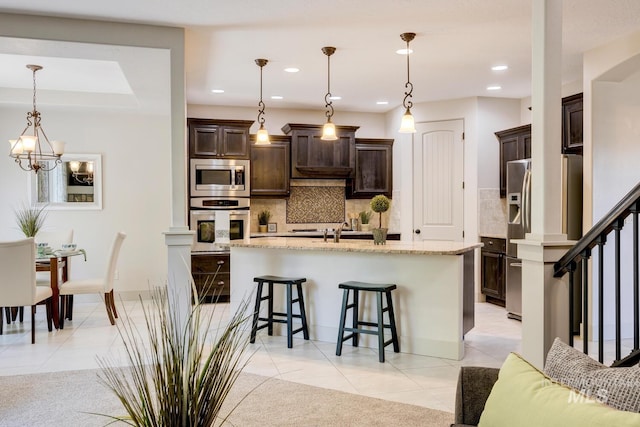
136 197
494 114
144 190
611 150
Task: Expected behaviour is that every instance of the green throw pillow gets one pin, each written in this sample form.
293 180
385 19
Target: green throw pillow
524 396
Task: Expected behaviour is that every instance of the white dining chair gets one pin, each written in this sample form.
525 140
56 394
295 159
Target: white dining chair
55 239
101 285
18 280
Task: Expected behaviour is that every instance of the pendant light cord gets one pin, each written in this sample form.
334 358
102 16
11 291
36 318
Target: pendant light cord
406 102
327 97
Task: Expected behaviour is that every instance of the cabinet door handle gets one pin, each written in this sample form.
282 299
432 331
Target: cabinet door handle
220 262
417 231
221 283
516 264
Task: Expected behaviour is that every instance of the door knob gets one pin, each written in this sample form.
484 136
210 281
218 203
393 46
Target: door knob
417 231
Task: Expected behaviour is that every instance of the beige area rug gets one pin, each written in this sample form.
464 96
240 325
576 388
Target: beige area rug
68 398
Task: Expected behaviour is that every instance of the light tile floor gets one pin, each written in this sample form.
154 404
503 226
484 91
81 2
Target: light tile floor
418 380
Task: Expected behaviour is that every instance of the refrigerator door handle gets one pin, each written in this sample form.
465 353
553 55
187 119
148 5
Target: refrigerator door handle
526 201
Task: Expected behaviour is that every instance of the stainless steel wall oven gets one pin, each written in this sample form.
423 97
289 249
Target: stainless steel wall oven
216 221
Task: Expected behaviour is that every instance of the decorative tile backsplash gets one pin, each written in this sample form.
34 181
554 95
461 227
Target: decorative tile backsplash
493 213
311 205
318 204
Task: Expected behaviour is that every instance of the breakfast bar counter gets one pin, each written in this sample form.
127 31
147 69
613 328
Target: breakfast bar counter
433 304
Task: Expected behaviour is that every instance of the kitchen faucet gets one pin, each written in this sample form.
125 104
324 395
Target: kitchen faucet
337 231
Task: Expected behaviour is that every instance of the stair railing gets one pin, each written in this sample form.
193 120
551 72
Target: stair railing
579 257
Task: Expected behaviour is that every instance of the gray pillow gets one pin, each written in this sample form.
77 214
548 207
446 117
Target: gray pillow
616 387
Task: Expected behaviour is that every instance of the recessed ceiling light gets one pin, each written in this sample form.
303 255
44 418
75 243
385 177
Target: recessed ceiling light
217 90
335 98
292 69
276 97
382 102
499 67
404 51
494 87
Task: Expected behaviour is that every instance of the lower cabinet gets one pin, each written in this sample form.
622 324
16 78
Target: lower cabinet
493 263
211 274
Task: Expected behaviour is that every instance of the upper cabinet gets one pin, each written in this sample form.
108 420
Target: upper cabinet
270 166
572 124
515 144
373 168
312 157
227 139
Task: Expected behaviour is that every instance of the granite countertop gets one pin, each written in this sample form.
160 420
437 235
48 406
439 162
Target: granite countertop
315 233
391 247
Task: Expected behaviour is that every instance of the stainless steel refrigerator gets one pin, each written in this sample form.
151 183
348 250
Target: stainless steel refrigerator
519 221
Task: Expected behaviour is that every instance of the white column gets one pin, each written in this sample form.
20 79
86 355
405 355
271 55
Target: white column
546 112
544 298
179 244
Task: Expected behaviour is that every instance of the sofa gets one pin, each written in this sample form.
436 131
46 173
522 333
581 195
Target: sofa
572 390
474 386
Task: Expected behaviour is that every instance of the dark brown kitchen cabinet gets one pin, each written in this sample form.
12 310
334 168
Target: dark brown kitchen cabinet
493 264
270 166
373 169
312 157
515 144
211 275
209 138
572 124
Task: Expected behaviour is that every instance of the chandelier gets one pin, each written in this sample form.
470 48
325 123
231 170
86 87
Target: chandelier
408 124
329 129
86 176
32 150
262 137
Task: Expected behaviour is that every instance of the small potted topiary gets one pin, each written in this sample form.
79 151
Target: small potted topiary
380 204
263 220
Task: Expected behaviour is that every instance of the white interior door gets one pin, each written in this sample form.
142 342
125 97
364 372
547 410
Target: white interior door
438 153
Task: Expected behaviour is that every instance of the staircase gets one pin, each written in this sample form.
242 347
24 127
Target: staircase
607 230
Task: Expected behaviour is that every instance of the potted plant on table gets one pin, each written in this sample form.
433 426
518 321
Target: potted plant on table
380 204
30 219
263 220
365 216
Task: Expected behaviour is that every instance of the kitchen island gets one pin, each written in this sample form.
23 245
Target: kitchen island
433 303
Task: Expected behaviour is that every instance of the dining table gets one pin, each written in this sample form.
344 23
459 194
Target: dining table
57 263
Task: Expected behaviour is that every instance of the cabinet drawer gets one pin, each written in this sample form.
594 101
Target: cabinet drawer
209 263
496 245
213 287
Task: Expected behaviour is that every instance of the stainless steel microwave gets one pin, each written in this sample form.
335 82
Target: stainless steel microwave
219 178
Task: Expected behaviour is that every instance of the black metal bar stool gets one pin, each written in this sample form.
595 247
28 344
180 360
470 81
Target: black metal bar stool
355 330
288 316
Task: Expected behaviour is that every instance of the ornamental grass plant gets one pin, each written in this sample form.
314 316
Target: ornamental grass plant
30 219
177 376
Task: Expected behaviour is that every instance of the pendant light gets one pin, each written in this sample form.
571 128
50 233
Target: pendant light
329 129
262 137
408 124
33 146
